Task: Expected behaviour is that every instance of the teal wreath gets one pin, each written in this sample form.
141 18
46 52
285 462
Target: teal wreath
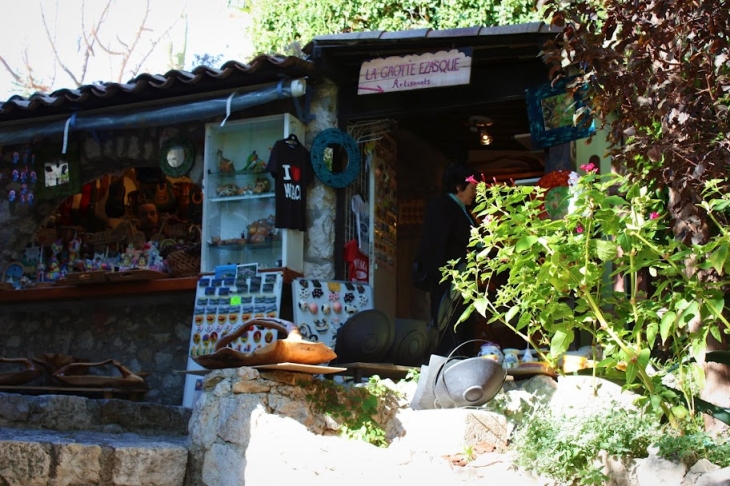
335 136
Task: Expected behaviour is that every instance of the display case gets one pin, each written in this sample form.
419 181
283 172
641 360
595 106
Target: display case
239 199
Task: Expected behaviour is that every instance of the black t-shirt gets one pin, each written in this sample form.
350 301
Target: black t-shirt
292 171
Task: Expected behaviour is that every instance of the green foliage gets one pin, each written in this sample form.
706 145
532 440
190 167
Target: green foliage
285 26
657 75
564 447
413 375
555 285
355 407
689 448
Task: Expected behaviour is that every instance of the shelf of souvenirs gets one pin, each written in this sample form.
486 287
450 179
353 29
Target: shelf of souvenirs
241 197
241 244
124 284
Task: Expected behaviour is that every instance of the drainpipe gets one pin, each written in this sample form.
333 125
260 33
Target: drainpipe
158 116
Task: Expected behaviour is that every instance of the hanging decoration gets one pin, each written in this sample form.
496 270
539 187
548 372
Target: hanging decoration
177 156
58 174
328 138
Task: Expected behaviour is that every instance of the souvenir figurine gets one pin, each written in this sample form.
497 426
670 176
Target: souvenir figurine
54 269
31 197
11 196
225 166
33 177
16 157
24 175
24 189
126 260
16 175
74 246
253 161
262 185
41 272
22 199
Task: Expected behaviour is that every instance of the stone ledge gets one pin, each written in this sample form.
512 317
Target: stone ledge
68 412
42 457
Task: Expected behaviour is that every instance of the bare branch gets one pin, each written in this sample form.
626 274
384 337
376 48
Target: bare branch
31 82
137 36
15 75
97 27
154 44
54 48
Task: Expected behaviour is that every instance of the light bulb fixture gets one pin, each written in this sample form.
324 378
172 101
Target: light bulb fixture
479 124
484 137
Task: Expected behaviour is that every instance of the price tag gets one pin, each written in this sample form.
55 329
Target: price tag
236 300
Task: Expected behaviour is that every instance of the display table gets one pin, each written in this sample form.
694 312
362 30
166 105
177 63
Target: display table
115 288
383 370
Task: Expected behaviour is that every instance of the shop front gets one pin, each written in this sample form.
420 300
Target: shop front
417 101
116 198
144 222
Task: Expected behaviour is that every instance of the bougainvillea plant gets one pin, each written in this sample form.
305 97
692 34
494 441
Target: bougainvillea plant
557 281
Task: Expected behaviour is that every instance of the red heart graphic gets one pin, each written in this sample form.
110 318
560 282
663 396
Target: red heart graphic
296 172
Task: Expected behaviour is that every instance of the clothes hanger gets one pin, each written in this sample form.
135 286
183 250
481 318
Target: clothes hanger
292 140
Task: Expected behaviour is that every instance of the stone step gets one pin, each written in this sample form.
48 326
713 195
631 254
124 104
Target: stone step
69 412
44 457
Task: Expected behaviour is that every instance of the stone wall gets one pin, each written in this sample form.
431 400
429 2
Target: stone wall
255 428
319 241
145 333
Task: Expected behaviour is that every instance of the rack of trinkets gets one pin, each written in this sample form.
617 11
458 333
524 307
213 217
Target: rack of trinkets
321 308
222 303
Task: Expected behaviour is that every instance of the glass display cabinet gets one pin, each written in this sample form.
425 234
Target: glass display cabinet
239 200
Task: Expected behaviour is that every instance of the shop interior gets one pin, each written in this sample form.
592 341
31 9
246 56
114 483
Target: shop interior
493 139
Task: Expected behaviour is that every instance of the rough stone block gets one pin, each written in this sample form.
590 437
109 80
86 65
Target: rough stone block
248 374
448 431
715 478
250 387
24 463
286 377
77 464
659 471
150 465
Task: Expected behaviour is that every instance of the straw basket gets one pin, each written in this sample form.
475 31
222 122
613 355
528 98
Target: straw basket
184 260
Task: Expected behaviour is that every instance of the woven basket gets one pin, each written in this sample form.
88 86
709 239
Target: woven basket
184 262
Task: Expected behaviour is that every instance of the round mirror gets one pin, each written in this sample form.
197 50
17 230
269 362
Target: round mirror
176 157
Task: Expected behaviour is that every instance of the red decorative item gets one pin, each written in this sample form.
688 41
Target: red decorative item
556 196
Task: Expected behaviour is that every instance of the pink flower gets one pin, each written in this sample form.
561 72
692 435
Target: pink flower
579 229
472 180
591 167
653 215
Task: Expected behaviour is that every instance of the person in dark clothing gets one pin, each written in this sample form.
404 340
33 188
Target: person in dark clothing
446 230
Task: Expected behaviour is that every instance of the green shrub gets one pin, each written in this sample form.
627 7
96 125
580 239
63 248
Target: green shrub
564 447
692 447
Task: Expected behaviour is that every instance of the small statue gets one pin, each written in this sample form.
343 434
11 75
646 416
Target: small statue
262 185
225 166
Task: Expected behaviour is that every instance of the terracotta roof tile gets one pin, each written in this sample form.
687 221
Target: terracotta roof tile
149 87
